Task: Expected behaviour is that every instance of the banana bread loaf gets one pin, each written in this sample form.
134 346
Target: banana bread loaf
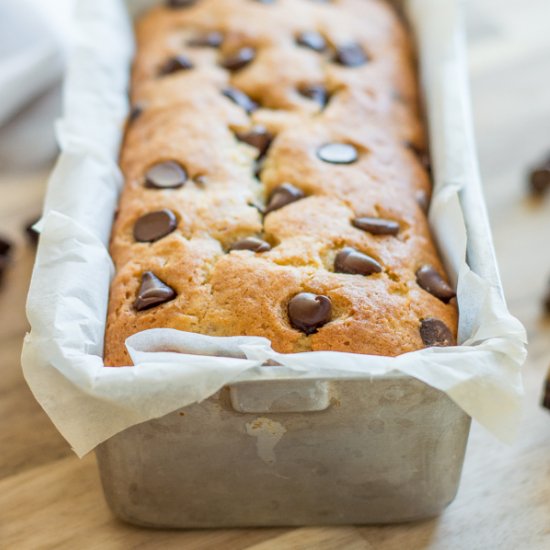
277 181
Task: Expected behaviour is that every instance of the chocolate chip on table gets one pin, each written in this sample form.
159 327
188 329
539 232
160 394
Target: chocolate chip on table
546 301
282 195
435 332
175 64
312 40
376 226
251 243
154 225
308 312
431 281
316 92
4 262
350 55
152 292
180 3
5 246
212 39
546 394
539 179
165 175
239 59
349 260
5 250
338 153
240 98
258 137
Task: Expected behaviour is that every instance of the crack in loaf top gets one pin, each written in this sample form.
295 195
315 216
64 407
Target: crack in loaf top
276 180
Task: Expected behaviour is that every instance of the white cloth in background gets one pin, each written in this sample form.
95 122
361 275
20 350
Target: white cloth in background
33 36
33 40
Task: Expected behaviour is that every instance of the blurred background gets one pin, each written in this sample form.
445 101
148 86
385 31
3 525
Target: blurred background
504 499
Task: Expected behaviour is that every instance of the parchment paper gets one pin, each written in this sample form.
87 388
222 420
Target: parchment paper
62 355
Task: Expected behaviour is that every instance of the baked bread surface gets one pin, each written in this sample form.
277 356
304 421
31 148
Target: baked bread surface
243 97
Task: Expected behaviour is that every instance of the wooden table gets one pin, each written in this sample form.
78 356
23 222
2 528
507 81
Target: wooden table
50 499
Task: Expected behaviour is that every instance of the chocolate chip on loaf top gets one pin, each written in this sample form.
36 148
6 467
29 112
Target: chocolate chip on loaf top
276 181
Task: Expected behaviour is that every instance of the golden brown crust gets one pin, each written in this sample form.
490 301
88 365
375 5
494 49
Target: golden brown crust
186 118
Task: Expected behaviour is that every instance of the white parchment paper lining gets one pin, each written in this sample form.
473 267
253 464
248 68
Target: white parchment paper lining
67 304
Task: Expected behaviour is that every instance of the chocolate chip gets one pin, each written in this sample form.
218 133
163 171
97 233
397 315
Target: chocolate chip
165 175
175 64
135 111
316 92
155 225
431 281
435 332
546 300
180 3
350 55
282 195
376 226
152 292
212 39
258 137
240 98
539 180
351 261
338 153
312 40
423 200
251 243
308 312
239 59
5 250
4 262
546 394
5 246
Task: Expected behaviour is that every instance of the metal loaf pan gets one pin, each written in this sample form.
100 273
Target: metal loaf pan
382 450
291 453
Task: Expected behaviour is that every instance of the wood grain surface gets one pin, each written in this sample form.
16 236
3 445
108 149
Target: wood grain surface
51 500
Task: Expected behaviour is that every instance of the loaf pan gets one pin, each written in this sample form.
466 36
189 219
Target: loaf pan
380 450
298 453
